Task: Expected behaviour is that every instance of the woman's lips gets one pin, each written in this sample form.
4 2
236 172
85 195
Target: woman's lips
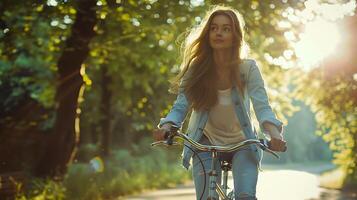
218 40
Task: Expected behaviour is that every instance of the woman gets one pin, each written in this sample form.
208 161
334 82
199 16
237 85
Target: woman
218 85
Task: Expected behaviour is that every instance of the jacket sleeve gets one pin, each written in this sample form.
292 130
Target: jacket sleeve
178 111
258 95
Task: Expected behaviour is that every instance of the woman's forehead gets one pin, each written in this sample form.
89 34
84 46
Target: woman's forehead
221 20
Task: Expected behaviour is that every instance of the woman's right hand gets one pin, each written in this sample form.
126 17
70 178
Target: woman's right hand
159 133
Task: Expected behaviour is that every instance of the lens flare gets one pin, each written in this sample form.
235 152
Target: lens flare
97 164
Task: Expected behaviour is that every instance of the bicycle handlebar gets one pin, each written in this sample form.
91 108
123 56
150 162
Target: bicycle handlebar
175 132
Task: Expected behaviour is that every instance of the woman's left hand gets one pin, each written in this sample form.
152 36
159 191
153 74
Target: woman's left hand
278 144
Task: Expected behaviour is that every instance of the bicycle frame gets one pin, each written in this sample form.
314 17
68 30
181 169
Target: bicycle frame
213 185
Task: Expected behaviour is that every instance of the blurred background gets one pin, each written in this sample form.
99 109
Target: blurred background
83 83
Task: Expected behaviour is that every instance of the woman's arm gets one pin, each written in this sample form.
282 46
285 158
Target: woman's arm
272 130
263 111
178 111
176 116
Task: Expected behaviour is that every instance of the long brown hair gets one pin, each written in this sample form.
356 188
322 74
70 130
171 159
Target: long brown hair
198 74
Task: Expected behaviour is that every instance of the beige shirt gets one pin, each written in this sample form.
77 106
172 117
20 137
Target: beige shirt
222 127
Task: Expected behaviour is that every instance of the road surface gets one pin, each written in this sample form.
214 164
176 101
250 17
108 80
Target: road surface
277 184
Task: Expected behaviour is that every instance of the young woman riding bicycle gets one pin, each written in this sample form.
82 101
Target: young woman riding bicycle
217 84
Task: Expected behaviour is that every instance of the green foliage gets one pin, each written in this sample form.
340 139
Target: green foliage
303 144
86 152
125 172
138 57
31 40
335 115
330 91
44 189
137 42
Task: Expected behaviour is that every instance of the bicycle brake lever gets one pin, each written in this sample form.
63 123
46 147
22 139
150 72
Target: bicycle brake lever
272 152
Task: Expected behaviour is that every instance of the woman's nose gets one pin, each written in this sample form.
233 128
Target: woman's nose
218 34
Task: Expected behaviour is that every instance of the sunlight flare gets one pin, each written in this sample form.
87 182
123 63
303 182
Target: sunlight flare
319 40
322 32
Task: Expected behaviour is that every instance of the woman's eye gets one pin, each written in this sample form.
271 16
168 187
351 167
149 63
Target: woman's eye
227 29
213 28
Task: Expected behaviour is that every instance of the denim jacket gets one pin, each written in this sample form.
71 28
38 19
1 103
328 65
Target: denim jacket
254 91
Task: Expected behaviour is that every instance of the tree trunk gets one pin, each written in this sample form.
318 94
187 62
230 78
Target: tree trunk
93 133
105 108
62 142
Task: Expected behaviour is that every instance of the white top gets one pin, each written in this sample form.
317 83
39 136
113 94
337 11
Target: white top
222 127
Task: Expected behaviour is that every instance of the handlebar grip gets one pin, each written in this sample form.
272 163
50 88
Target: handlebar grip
169 135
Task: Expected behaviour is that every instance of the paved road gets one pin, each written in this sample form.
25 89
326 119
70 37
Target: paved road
282 184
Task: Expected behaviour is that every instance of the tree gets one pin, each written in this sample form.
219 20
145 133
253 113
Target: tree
62 144
135 44
31 37
332 93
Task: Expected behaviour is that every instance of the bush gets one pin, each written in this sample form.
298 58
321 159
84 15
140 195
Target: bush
44 189
125 172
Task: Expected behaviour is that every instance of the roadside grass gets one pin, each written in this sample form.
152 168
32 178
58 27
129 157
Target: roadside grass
332 179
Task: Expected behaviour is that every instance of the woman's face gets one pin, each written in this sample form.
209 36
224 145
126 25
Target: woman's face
220 32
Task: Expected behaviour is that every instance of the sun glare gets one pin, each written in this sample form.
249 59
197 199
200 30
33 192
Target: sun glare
321 35
319 40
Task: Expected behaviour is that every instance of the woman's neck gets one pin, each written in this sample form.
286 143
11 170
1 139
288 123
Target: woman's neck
223 71
221 57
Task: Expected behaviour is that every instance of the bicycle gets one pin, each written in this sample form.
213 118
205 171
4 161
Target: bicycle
225 165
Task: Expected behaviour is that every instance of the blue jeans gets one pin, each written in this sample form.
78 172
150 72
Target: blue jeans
244 169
